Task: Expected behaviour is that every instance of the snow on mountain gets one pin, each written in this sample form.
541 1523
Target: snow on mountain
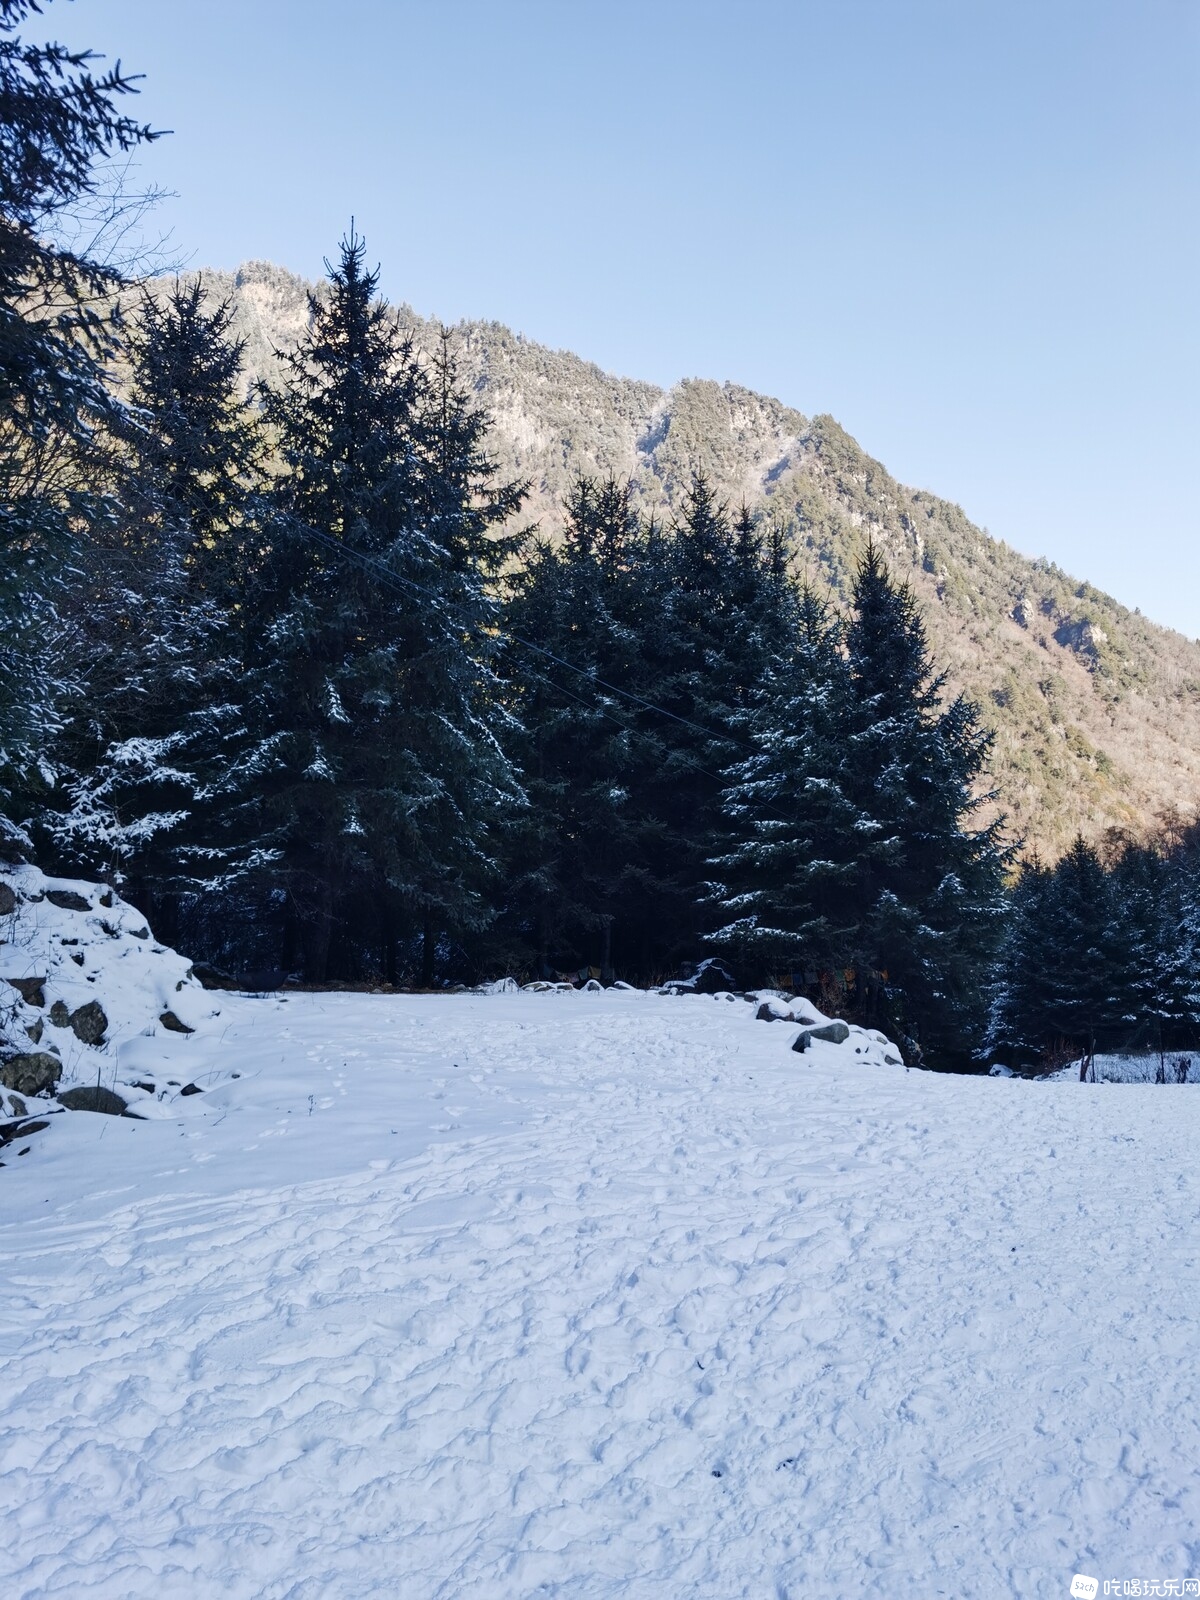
593 1295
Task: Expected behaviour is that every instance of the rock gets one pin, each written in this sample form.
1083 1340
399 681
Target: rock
210 977
93 1098
997 1070
592 987
106 900
31 990
139 933
59 1015
77 957
35 1030
68 900
8 900
893 1061
34 1073
173 1025
17 1106
264 981
801 1042
89 1023
191 1088
711 976
831 1033
767 1013
17 1130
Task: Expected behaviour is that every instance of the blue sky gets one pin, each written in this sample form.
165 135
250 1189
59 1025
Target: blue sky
967 228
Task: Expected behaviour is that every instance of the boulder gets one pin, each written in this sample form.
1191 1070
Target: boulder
8 900
210 977
59 1015
831 1033
769 1013
191 1088
801 1042
89 1023
36 1072
31 990
35 1030
93 1098
68 900
173 1025
18 1130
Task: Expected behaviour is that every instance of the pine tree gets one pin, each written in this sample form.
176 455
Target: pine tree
584 853
928 895
787 874
154 645
1019 1029
725 619
59 122
372 774
1066 979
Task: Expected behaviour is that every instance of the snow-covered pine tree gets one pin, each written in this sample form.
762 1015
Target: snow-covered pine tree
928 900
793 834
152 625
1019 1031
59 124
440 851
371 772
583 855
727 617
1066 977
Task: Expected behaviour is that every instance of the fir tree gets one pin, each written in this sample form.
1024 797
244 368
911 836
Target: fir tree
787 875
928 894
371 769
584 854
154 645
59 121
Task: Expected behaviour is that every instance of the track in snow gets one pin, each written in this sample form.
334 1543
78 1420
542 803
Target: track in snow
598 1296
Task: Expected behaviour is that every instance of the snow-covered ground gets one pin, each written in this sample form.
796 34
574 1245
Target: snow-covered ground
594 1295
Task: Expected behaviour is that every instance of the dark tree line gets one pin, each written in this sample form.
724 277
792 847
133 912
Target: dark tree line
1101 953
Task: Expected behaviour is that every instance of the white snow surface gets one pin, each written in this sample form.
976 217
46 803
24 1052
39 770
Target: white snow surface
594 1295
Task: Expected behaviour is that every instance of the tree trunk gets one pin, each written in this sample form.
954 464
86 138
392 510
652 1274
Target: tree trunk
428 949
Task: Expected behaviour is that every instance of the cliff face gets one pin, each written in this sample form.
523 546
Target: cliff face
1096 710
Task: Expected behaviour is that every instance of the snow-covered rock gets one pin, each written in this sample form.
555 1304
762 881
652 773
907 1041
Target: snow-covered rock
81 978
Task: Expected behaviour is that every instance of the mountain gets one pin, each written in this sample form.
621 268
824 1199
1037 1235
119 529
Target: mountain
1095 709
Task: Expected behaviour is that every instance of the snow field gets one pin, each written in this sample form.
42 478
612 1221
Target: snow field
595 1296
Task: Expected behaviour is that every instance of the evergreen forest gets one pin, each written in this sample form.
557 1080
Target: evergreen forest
289 663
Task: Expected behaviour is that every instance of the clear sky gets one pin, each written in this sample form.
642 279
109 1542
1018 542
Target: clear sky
967 228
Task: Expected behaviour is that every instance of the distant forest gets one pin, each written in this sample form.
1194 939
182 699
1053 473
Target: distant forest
278 666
